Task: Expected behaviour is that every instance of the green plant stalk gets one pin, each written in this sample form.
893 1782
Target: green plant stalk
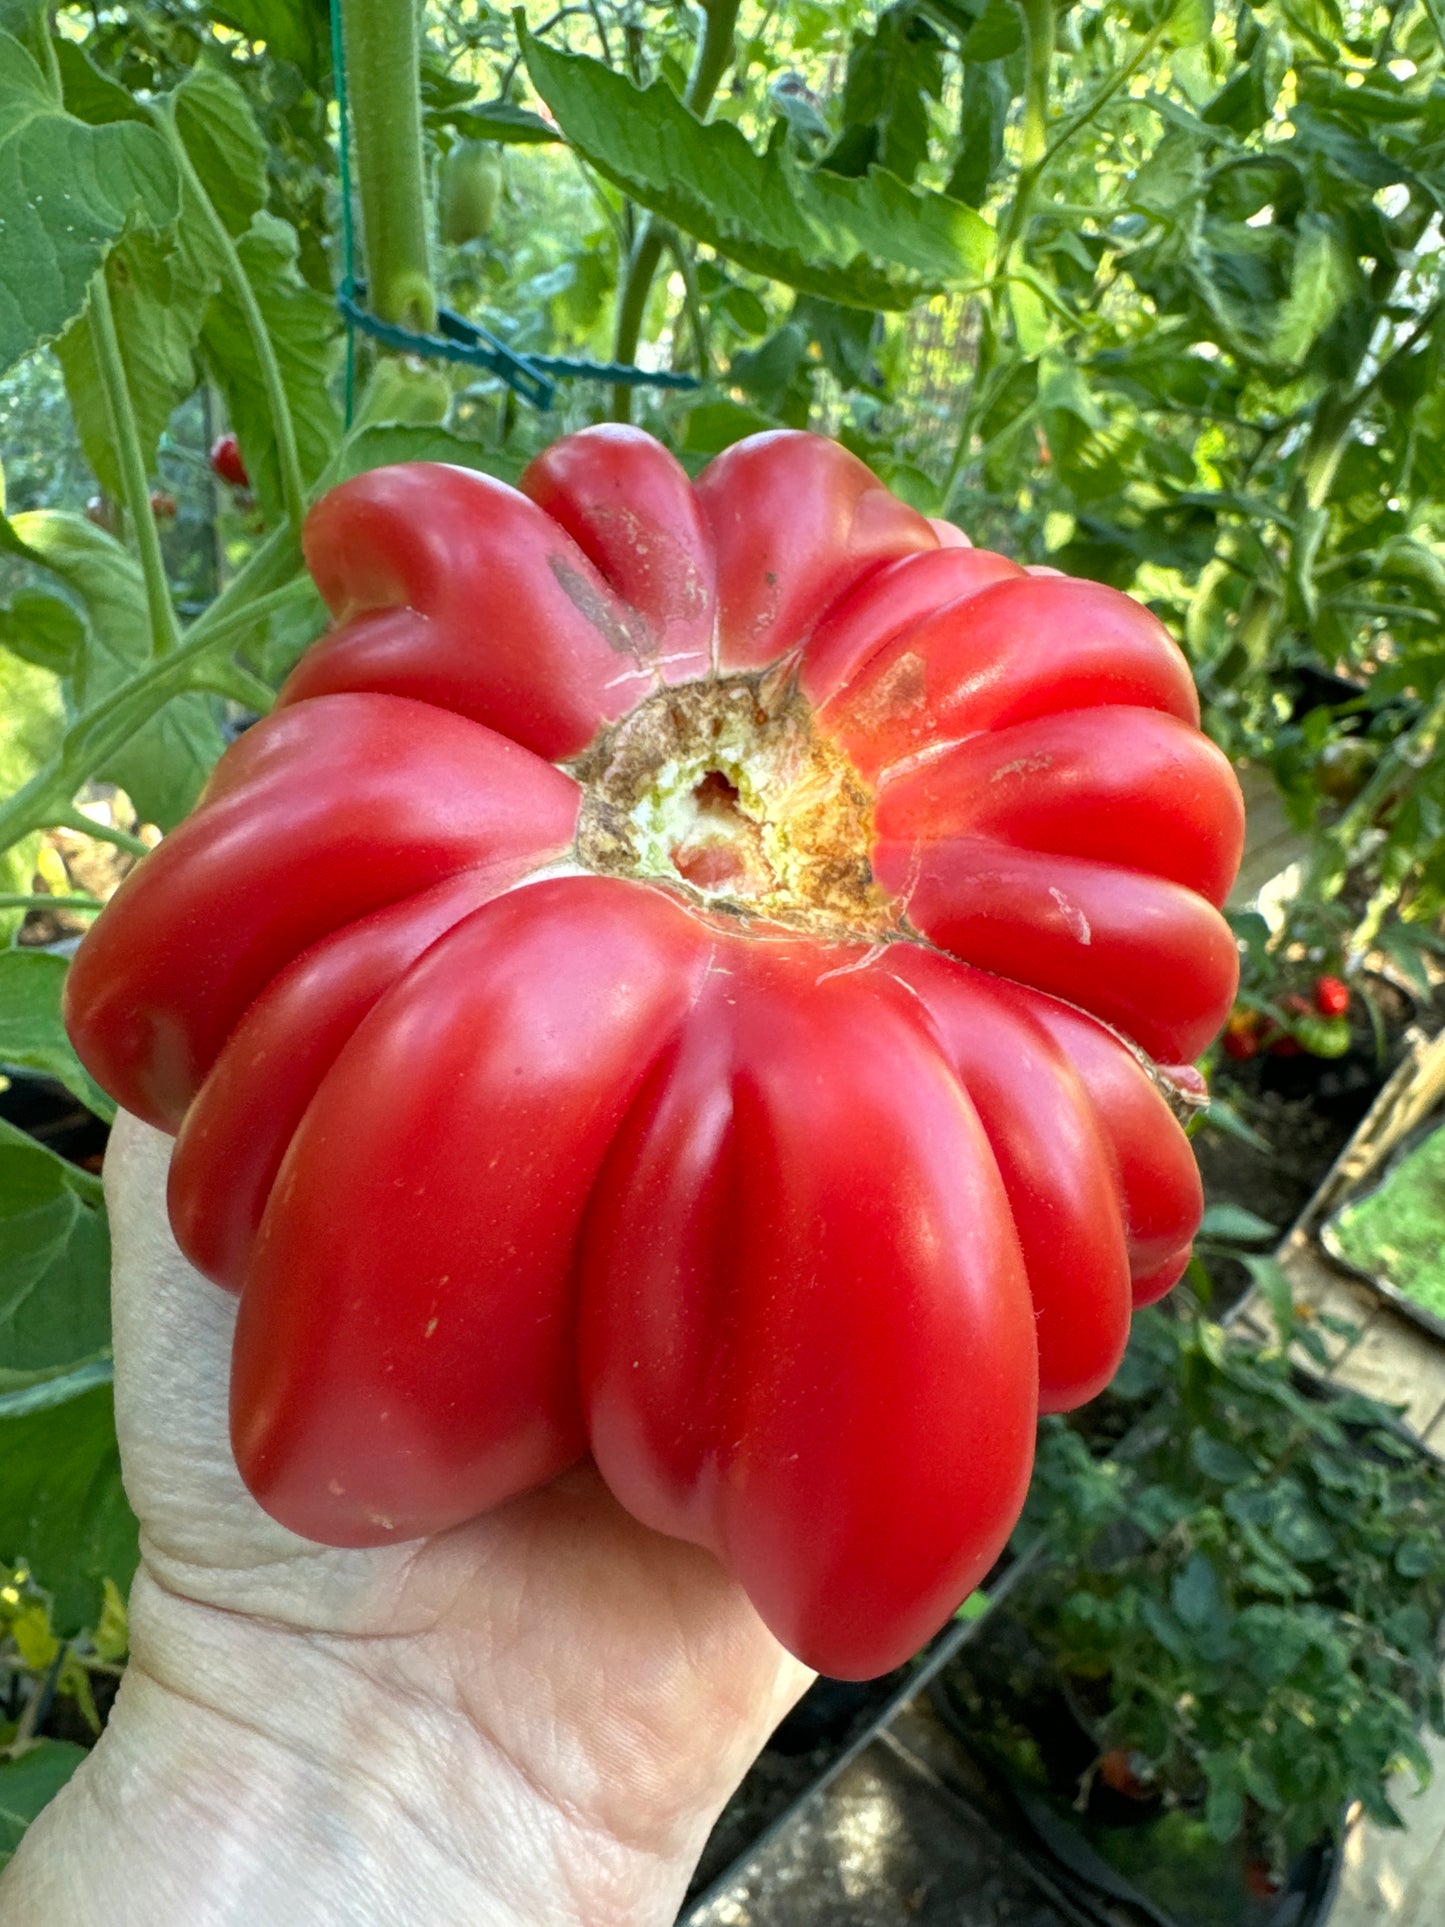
40 1694
1038 155
687 268
125 439
293 488
47 798
48 57
103 832
1331 860
631 306
9 902
1012 225
1331 430
1076 123
1038 66
383 67
269 580
714 56
232 679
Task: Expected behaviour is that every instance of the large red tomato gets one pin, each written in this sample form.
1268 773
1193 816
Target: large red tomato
688 973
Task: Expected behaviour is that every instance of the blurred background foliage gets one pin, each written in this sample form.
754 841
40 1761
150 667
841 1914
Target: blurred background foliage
1202 362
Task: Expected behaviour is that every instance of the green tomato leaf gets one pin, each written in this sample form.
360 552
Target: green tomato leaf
63 1510
1062 387
26 19
1190 22
1234 1222
1165 1627
1219 1460
1031 318
67 191
54 1268
404 389
91 95
378 444
893 73
159 287
298 31
31 721
32 1036
871 242
85 1184
498 120
304 336
1169 184
743 309
1224 1808
29 1783
43 630
1194 1593
986 99
220 135
1416 1557
998 32
1321 281
165 765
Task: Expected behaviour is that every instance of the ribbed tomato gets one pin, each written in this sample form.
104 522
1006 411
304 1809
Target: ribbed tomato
689 973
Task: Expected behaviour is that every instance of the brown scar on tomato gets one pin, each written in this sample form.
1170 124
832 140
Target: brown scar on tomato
902 688
725 789
622 636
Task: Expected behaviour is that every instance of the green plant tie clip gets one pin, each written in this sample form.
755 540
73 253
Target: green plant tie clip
533 377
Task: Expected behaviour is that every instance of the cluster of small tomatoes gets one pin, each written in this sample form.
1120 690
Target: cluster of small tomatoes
226 465
1317 1025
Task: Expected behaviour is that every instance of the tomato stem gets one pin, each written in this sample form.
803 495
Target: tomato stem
293 488
383 71
714 56
92 738
125 441
85 825
19 900
1039 50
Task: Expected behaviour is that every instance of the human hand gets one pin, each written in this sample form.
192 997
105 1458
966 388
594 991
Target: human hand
533 1718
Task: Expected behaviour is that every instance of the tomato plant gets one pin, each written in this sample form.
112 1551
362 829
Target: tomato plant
1224 1606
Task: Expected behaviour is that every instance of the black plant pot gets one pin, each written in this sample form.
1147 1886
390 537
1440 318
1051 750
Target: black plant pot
830 1726
1105 1848
47 1112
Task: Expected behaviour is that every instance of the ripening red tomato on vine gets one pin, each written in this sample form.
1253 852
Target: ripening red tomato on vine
226 462
1331 996
700 974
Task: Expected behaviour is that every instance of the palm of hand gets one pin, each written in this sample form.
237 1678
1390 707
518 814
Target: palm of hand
616 1675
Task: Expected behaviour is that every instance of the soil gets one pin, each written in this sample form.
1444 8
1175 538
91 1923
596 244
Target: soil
1303 1141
